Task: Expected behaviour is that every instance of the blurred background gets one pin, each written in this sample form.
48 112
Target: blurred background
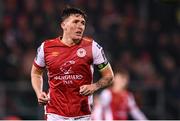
141 36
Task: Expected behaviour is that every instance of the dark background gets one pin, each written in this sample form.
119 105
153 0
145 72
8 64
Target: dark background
141 36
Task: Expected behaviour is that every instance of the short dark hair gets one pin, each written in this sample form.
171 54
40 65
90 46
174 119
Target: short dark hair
71 10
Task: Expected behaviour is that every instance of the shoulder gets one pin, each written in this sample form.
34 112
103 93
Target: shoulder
88 39
50 42
47 41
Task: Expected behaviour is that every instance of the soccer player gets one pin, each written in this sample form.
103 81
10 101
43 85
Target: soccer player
117 102
69 61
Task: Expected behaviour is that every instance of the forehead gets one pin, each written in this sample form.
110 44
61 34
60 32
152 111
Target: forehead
75 16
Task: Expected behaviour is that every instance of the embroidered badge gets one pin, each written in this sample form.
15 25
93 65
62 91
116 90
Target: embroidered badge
81 52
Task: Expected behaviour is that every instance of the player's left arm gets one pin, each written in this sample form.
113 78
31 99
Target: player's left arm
105 81
106 77
105 69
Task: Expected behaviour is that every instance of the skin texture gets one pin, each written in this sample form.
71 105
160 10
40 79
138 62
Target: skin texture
106 80
73 29
37 83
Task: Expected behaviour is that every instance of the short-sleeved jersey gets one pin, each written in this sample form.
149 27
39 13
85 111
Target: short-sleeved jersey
116 106
113 106
69 68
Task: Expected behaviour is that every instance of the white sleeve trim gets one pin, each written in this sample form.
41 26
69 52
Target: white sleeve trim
39 60
97 52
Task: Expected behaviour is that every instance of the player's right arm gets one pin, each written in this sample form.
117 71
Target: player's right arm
37 84
36 76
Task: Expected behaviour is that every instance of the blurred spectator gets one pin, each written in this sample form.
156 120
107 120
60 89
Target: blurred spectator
116 103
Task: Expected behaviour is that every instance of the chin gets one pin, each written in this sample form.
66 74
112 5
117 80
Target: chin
77 38
77 41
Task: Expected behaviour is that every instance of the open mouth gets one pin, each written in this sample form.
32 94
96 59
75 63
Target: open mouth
78 32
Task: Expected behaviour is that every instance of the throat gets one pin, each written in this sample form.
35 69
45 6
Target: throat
76 41
70 42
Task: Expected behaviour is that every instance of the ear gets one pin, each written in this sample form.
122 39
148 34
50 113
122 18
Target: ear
62 25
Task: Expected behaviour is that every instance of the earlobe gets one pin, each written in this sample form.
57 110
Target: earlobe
62 25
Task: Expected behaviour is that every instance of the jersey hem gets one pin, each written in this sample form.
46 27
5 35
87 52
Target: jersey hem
65 117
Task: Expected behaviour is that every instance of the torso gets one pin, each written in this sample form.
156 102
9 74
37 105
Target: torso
68 69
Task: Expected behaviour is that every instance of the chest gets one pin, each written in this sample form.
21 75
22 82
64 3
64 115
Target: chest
64 57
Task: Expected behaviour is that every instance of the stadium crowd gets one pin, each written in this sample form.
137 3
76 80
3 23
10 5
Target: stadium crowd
140 36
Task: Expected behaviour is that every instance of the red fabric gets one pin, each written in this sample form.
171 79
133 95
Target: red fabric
68 69
119 105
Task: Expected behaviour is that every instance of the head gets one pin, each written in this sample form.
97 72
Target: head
121 79
73 22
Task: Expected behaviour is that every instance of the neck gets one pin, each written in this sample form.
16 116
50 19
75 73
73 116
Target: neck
69 41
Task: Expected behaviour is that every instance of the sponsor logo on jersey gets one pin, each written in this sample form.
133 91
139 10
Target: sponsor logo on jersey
69 77
81 52
67 74
66 68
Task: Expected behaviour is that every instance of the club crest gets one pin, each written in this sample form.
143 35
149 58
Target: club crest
81 52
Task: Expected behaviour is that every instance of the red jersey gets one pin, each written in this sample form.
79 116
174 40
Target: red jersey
68 69
119 105
116 106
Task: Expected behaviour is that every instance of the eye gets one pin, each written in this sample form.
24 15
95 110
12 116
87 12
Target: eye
83 22
75 21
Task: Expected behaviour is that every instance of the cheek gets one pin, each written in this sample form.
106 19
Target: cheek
84 28
67 26
70 28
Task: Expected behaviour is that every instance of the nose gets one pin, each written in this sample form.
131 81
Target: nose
80 26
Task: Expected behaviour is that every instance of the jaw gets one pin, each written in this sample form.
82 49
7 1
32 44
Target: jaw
77 41
77 37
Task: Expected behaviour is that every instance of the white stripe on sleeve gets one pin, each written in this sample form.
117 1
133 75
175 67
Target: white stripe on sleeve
39 60
98 54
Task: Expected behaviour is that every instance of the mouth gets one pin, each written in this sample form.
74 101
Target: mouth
79 33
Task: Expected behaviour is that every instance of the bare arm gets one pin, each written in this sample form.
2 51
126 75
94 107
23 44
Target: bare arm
37 84
105 81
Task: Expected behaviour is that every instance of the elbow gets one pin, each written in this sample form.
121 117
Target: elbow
110 80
